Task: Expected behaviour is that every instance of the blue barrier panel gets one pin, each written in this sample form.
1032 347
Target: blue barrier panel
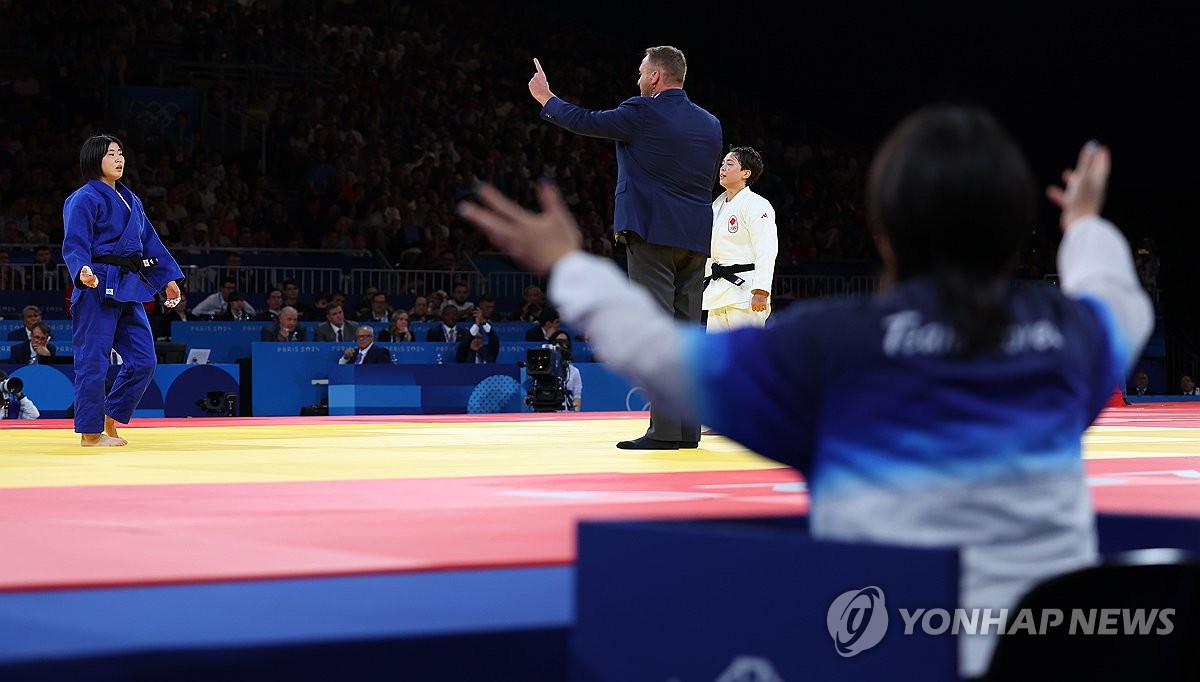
606 391
283 375
172 393
227 341
52 303
50 387
59 329
230 341
185 385
753 599
497 624
408 389
507 331
291 376
759 598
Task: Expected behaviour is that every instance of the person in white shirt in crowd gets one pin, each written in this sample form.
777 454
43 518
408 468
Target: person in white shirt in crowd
218 302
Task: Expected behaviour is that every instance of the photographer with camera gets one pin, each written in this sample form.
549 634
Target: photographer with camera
14 404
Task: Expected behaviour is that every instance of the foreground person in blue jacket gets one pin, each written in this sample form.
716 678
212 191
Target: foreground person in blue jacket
977 441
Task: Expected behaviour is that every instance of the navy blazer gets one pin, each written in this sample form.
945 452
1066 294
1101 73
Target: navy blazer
668 157
21 353
437 335
490 351
376 355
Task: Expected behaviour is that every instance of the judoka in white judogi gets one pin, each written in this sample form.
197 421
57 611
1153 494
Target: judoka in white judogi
745 242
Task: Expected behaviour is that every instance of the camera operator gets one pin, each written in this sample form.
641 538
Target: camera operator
14 404
573 384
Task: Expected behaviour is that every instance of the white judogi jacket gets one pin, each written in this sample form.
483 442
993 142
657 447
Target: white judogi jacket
743 232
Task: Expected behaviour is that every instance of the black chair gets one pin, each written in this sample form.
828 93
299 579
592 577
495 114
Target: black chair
170 352
1149 580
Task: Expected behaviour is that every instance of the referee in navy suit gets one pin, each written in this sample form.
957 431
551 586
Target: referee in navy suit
668 154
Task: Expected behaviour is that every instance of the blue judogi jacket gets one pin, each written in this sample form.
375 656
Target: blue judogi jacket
98 223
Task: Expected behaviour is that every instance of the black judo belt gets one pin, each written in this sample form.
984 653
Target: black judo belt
127 263
728 272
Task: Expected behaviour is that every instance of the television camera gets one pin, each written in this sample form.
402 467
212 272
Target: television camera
219 404
547 371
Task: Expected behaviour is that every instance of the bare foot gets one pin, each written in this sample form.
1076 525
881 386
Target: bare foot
110 429
102 440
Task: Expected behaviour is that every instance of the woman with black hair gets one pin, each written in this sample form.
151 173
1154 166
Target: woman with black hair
117 263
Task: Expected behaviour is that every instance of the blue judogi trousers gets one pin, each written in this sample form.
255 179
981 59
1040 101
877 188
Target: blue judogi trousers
99 326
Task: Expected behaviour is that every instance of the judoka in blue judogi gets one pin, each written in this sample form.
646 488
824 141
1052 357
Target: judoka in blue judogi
117 263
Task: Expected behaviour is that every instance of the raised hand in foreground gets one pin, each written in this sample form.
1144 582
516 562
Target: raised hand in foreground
535 240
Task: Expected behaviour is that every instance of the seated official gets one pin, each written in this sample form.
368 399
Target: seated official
479 349
449 330
335 327
31 315
36 350
367 353
287 328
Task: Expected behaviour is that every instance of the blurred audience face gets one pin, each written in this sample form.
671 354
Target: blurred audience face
379 304
420 307
487 308
335 314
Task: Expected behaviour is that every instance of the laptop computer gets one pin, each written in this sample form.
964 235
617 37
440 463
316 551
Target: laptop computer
198 356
